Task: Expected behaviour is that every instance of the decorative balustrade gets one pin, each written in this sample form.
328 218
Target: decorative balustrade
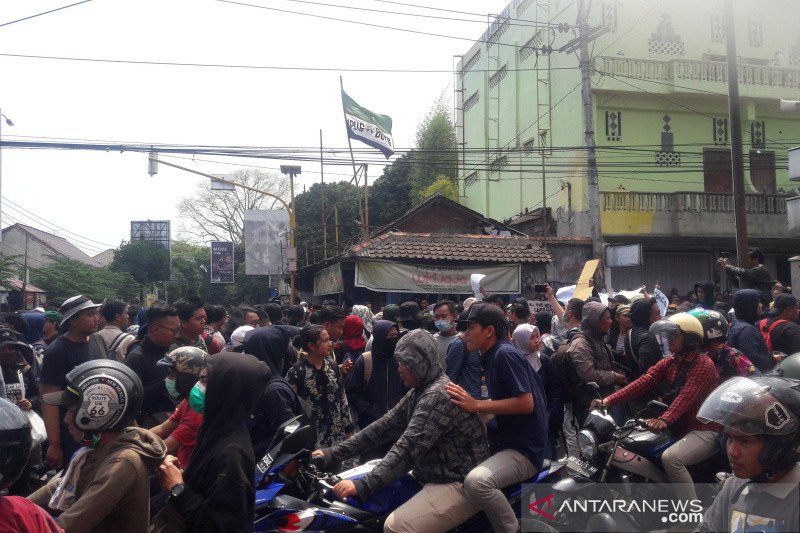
693 202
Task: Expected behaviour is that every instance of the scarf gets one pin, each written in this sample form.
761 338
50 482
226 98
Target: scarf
366 316
353 333
66 492
522 338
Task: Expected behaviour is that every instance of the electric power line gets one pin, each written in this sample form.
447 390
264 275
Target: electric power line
43 13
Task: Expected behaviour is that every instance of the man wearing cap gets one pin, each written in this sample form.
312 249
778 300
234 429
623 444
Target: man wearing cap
79 319
50 327
410 316
518 434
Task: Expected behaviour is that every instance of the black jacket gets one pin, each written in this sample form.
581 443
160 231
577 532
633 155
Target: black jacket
142 360
757 278
710 295
744 335
372 400
642 349
220 479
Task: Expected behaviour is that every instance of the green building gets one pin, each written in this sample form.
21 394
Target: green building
659 95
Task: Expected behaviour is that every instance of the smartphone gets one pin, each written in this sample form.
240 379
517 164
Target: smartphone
539 287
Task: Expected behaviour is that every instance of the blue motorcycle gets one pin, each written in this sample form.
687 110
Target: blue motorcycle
294 493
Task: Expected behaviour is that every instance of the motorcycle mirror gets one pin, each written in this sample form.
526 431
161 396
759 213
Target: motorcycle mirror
301 439
655 405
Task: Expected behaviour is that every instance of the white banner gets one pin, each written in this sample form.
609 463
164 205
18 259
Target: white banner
661 300
328 281
388 276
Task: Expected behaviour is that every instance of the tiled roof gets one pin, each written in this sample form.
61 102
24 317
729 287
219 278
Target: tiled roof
59 245
446 247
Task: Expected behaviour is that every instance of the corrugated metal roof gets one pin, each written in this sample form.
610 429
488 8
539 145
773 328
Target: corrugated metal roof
57 244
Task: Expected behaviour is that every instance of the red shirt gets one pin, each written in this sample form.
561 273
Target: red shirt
189 421
701 379
18 514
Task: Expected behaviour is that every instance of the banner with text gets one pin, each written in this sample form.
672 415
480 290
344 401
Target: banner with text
221 262
328 281
368 127
388 276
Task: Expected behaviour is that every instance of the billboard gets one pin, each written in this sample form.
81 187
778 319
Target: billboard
221 262
159 232
389 276
266 241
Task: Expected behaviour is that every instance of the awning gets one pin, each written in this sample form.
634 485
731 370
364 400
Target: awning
390 276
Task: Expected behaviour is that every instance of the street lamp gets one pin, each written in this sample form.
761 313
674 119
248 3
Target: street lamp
9 122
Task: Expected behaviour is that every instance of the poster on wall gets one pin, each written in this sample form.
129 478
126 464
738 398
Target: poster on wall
389 276
329 281
221 262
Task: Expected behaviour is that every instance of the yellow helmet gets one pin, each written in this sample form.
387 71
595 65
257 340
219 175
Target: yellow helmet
681 323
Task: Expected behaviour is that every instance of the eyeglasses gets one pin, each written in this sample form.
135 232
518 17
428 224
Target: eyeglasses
176 331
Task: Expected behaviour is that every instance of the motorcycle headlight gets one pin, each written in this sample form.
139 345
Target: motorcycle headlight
587 444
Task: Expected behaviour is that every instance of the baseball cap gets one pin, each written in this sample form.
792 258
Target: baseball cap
64 398
74 305
53 316
485 315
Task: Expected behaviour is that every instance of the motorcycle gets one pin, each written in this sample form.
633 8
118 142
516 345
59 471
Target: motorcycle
630 455
294 493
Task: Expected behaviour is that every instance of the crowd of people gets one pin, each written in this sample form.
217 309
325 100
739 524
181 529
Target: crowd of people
156 417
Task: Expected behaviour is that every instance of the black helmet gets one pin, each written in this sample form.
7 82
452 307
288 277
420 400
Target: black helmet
715 325
788 368
761 405
108 394
15 442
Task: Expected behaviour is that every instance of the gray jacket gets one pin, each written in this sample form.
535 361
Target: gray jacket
438 440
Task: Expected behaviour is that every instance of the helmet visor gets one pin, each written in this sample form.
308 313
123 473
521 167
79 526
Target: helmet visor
749 407
665 327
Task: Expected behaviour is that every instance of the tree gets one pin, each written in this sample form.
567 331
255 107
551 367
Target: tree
435 155
145 261
444 186
309 235
219 215
389 195
65 278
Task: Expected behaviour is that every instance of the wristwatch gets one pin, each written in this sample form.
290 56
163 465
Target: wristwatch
177 490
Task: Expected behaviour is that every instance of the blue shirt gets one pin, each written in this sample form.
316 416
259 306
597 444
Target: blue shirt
508 375
463 367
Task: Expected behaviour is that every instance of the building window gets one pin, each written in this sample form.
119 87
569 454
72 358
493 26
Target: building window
613 125
471 62
717 28
610 15
756 27
498 164
470 102
664 41
720 127
528 147
717 170
522 6
497 29
471 179
667 156
762 171
498 76
531 47
758 134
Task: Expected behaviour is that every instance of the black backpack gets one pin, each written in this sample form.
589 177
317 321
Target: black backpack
567 375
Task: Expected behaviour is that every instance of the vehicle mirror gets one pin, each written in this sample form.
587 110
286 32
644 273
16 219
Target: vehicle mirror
301 439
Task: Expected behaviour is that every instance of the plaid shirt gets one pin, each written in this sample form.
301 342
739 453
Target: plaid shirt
701 379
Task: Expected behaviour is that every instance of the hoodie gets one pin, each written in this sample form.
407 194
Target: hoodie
744 335
220 479
642 349
710 295
278 401
591 358
372 399
113 485
438 440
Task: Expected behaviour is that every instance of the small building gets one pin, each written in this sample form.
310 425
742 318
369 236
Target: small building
430 252
40 247
11 297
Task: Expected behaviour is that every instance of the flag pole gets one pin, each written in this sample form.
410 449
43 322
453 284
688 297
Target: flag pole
349 144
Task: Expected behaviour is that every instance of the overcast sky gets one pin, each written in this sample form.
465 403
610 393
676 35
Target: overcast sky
95 195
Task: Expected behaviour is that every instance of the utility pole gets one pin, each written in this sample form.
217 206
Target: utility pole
588 124
737 159
322 201
25 277
366 204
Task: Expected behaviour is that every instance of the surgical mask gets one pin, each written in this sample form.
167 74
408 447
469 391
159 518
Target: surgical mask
197 398
443 325
170 384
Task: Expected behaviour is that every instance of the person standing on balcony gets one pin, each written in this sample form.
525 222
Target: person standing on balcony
753 276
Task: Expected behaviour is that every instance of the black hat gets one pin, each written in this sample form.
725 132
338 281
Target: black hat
620 298
409 311
10 337
485 315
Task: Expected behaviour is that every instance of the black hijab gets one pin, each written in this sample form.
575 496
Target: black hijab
269 344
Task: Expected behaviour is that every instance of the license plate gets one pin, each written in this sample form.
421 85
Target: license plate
580 466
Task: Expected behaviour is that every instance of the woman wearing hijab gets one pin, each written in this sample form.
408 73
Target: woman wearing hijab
365 314
216 492
528 340
353 342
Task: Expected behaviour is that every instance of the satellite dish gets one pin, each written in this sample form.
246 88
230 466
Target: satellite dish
790 106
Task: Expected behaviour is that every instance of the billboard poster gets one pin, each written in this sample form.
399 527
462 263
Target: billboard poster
222 262
158 232
266 241
389 276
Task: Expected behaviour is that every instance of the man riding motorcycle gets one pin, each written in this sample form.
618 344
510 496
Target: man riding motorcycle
439 440
683 380
760 417
729 361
